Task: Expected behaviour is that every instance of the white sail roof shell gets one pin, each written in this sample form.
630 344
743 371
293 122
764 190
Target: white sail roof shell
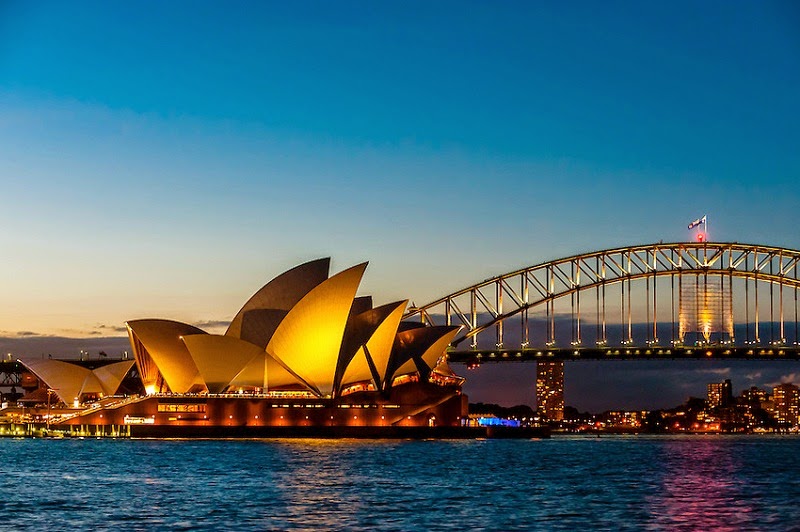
308 340
69 381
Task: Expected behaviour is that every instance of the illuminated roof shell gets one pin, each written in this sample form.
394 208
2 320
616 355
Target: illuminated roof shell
69 381
309 339
163 344
219 359
419 349
111 375
371 336
258 319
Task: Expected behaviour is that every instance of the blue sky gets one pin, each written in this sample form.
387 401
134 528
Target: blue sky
166 159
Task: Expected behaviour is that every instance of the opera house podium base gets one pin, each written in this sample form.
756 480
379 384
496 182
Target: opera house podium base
415 410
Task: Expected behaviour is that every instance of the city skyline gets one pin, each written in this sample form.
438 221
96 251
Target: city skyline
162 160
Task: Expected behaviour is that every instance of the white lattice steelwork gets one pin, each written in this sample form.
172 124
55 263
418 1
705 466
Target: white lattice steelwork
766 294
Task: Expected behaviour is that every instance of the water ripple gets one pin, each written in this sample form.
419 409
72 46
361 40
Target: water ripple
625 483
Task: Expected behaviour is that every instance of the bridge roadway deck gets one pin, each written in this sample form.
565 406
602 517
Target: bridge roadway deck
480 356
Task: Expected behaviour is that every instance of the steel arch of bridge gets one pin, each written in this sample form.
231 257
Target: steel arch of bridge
514 294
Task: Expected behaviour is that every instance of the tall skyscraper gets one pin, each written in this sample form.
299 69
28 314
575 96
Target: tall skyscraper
786 397
720 394
550 390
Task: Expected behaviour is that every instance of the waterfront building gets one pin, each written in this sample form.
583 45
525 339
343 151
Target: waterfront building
303 351
768 406
622 419
786 400
550 390
720 394
754 396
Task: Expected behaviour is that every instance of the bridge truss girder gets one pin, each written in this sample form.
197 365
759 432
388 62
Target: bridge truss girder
488 304
480 356
10 374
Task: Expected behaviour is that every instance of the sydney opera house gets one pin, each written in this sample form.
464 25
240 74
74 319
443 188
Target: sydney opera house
304 355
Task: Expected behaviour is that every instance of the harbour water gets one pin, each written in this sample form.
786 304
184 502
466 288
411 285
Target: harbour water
564 483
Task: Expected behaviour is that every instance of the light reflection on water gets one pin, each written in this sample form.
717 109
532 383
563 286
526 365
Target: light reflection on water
701 487
656 483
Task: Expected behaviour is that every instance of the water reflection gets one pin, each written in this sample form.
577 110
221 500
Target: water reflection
561 484
701 486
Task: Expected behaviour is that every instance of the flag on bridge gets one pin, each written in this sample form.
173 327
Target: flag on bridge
698 222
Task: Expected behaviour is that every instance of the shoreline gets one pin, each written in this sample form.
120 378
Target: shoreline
249 432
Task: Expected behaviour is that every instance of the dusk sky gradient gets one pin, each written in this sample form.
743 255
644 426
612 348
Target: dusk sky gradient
165 159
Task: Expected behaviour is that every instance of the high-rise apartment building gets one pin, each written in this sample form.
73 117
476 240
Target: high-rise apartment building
786 398
720 394
550 390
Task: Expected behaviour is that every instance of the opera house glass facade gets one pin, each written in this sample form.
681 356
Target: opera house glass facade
302 353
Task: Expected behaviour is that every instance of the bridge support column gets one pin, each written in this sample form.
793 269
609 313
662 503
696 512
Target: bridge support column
550 389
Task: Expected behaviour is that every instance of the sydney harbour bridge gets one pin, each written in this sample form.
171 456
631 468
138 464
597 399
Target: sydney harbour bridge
672 301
